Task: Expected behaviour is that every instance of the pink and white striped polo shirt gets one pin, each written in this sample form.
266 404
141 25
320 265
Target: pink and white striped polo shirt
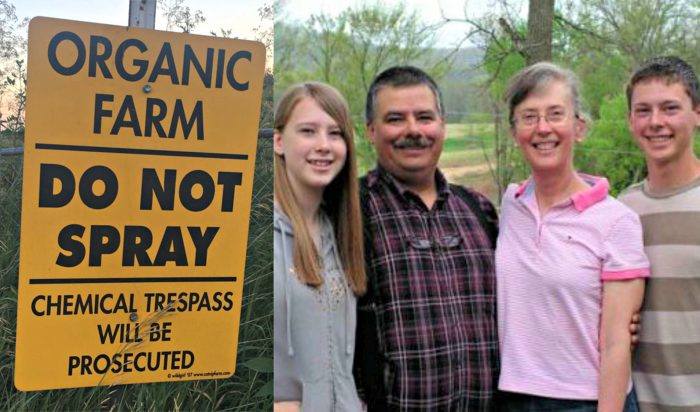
549 272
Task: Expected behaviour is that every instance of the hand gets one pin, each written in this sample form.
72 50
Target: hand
287 406
635 327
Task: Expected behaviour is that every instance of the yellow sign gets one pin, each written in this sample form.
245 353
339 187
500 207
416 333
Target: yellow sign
138 177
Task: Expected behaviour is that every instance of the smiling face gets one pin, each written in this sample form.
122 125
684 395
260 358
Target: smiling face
663 121
313 147
407 132
546 127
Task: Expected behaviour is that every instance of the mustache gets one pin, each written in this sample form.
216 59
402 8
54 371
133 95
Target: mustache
410 142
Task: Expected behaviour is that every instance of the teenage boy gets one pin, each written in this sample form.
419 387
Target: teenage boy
663 99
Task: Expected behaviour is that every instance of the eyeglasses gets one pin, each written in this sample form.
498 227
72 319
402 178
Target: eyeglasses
530 119
442 243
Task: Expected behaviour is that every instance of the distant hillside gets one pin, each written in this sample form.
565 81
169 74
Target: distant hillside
461 86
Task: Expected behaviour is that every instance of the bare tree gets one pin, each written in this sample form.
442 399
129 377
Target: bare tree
331 36
637 29
12 70
179 16
539 31
264 32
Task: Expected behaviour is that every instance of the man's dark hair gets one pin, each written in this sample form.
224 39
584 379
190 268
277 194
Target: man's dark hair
400 76
671 69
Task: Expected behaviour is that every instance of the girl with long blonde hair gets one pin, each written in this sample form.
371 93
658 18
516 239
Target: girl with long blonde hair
318 251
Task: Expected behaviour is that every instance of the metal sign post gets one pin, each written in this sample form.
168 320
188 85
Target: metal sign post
142 13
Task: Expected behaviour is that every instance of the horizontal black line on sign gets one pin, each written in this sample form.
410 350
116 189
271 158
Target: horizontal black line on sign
64 281
76 148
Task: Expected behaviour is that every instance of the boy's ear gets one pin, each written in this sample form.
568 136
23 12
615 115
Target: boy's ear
629 119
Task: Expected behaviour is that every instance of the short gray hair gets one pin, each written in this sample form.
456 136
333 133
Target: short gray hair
534 78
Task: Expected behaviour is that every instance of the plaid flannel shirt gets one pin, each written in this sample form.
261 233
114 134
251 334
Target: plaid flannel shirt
432 277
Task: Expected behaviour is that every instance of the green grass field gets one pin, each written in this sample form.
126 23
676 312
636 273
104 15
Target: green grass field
465 144
463 157
250 389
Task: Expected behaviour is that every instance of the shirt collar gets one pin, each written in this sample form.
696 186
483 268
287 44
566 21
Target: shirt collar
381 174
582 200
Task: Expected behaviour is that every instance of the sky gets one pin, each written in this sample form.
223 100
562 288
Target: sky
239 15
430 12
242 15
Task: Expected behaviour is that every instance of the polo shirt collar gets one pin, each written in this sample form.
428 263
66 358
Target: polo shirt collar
582 200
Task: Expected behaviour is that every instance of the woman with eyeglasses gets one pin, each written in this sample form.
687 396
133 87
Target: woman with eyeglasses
318 251
570 264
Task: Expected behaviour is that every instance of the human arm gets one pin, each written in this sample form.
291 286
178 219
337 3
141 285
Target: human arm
287 406
625 267
368 365
621 299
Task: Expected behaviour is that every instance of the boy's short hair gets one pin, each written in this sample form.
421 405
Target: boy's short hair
672 69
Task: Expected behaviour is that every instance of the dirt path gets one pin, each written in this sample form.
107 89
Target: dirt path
453 173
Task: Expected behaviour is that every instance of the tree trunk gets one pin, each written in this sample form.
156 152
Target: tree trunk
539 31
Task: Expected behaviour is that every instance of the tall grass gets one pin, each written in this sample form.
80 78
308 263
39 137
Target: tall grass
250 389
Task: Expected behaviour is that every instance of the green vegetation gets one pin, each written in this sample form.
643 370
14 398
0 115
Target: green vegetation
609 149
350 49
468 157
466 144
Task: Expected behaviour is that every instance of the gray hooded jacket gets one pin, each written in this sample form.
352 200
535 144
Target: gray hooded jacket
314 328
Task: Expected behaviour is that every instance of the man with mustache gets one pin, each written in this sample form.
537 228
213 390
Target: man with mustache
431 303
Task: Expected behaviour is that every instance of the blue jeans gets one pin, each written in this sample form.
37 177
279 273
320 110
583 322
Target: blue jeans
519 402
